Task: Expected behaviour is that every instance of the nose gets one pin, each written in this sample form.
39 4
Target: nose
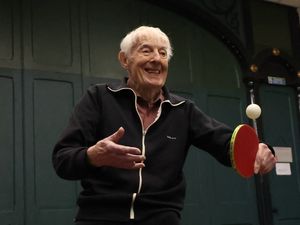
156 56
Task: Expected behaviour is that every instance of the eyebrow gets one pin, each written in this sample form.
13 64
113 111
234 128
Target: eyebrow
144 46
150 46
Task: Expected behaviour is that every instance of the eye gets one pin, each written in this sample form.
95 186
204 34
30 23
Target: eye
163 53
146 51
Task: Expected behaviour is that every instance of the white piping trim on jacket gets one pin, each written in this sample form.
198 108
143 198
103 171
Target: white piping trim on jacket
174 104
127 88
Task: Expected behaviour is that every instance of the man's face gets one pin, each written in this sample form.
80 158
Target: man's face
147 63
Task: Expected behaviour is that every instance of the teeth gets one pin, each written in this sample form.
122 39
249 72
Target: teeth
153 71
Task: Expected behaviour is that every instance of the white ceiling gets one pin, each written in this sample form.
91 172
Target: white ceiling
293 3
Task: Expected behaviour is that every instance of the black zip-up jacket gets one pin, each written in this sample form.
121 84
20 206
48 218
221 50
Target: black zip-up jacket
119 194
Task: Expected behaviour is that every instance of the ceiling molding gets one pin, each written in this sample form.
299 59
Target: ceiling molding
292 3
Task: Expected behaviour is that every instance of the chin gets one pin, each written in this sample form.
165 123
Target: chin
155 83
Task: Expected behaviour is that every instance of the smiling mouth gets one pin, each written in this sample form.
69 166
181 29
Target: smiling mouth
152 71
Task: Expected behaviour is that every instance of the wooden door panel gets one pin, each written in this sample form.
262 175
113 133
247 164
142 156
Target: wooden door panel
280 118
50 99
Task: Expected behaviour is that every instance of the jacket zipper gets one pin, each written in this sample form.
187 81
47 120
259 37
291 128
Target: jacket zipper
144 132
134 195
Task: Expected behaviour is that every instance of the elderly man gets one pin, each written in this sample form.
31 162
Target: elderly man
127 143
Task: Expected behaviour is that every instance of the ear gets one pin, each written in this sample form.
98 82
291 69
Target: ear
123 60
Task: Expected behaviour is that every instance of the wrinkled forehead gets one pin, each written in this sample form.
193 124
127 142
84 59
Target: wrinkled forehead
151 39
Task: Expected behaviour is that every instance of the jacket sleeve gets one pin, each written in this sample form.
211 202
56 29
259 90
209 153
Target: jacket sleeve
69 155
210 135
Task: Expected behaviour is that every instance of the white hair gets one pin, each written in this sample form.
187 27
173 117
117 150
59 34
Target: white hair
133 37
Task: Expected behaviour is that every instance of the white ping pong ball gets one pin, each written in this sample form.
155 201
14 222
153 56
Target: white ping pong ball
253 111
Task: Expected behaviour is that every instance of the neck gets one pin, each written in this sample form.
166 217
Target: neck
149 94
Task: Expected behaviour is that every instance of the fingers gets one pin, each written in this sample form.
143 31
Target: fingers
108 152
265 160
111 143
115 155
115 137
122 149
256 166
129 163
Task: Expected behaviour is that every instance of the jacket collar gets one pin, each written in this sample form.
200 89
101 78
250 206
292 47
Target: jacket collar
172 99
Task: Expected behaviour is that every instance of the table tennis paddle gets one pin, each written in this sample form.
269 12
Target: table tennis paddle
243 148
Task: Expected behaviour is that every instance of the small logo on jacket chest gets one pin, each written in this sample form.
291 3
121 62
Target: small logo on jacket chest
171 137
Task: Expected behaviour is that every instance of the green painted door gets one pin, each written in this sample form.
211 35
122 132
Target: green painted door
11 159
215 194
49 100
280 117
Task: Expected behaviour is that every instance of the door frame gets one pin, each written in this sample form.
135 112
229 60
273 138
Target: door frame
263 70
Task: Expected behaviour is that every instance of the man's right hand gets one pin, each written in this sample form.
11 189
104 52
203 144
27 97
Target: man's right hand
108 152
